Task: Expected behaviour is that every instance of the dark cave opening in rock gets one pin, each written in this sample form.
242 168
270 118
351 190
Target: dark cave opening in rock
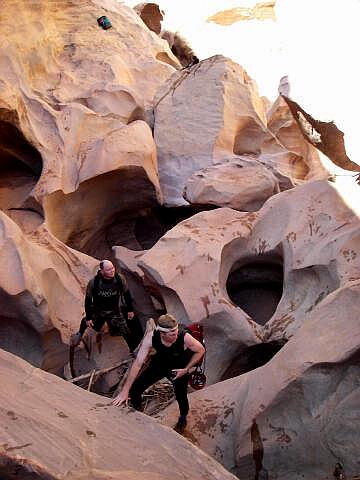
17 333
20 165
139 230
151 227
256 287
252 357
13 333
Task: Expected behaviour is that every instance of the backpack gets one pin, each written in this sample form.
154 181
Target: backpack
197 331
197 378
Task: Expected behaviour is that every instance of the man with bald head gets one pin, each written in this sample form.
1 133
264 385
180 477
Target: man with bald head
107 296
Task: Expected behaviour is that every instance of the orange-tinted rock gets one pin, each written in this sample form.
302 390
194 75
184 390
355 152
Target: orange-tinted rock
151 15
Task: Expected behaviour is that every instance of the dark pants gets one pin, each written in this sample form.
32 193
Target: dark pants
136 331
152 374
116 323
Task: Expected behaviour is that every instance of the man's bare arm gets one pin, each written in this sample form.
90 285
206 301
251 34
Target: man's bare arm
139 361
195 346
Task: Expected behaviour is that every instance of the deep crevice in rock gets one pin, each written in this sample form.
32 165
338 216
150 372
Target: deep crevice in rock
20 164
256 287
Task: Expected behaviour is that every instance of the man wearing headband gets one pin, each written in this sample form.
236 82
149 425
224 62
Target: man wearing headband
176 353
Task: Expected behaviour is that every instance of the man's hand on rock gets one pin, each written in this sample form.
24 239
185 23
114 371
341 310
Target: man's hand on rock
121 399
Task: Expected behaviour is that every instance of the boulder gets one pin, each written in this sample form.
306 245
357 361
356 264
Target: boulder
241 185
225 113
210 113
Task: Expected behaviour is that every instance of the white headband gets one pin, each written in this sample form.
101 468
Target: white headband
166 330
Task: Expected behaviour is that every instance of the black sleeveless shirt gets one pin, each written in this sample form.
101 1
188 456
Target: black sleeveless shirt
173 356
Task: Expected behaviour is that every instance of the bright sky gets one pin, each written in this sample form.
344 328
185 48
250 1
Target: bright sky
315 42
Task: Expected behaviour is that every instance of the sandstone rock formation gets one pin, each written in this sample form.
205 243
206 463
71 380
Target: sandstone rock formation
100 132
42 283
303 158
77 99
297 416
51 430
227 118
241 184
305 242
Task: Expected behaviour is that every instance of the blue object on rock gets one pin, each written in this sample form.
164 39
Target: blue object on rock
104 22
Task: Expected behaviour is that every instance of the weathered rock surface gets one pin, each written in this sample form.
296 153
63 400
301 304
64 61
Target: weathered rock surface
241 184
56 430
297 416
79 168
74 102
303 161
227 117
303 241
42 284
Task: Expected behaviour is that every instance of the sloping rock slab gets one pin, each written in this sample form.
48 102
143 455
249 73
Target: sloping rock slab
58 431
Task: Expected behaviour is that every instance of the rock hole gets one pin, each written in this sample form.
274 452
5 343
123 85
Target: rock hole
256 288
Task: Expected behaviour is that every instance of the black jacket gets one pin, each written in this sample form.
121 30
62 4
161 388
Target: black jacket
107 295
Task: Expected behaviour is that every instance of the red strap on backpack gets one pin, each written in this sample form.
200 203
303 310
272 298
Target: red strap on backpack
197 378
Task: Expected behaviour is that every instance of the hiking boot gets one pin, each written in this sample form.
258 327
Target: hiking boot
181 424
75 339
